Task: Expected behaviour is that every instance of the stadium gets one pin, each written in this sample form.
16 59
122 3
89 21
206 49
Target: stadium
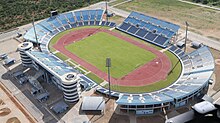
147 76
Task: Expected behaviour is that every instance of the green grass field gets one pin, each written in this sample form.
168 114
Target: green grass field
125 56
173 76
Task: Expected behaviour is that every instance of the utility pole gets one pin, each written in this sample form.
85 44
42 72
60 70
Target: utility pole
186 35
108 64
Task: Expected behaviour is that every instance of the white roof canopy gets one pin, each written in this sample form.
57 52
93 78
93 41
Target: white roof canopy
93 103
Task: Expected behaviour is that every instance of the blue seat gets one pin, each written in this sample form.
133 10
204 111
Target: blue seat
80 24
161 40
46 25
132 29
92 22
107 23
103 23
85 23
99 14
70 17
173 48
178 51
124 26
112 24
73 25
92 14
78 15
62 18
97 22
150 36
85 15
141 32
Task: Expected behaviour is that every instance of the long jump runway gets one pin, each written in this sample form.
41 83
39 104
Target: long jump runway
149 73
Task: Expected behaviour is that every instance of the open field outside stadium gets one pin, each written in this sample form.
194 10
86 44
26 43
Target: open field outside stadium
202 20
120 51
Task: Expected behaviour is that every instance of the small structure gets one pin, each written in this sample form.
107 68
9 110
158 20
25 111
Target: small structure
53 13
42 96
9 61
34 91
96 104
59 107
18 74
196 44
180 44
207 98
22 48
35 83
3 56
23 79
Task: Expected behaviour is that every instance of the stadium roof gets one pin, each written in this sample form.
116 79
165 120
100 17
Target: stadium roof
145 99
93 103
51 63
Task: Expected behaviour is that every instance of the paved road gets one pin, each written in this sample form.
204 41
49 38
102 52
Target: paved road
202 39
202 5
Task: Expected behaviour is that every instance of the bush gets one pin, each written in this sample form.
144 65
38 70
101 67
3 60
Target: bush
22 11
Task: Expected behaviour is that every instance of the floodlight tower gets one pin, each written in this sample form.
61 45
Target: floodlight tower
35 34
186 35
106 10
108 64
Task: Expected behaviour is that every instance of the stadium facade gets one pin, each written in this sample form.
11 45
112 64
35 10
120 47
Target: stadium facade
197 66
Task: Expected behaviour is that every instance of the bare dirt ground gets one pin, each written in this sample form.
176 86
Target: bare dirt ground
11 109
13 120
217 80
150 119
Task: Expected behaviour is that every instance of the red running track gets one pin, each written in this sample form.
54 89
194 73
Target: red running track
149 73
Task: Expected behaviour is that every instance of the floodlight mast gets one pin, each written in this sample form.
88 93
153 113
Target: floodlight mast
186 35
106 10
35 34
108 64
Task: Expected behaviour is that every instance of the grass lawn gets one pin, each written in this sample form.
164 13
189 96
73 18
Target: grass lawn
125 56
202 20
61 56
95 78
172 77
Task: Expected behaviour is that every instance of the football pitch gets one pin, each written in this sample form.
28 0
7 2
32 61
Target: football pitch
125 56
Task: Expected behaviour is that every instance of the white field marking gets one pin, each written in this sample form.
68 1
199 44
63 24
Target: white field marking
104 83
56 52
87 72
111 28
163 50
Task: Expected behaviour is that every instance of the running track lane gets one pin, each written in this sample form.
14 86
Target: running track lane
149 73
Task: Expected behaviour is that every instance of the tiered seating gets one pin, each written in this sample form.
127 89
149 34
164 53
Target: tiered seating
49 27
189 84
142 99
177 51
149 29
106 92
